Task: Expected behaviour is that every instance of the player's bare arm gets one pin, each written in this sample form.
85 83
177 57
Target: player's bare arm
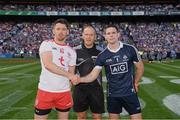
72 70
47 61
91 76
139 73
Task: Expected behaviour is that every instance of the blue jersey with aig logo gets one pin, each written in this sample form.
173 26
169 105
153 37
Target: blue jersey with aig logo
119 69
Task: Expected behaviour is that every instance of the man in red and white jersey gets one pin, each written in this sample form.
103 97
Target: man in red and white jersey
58 65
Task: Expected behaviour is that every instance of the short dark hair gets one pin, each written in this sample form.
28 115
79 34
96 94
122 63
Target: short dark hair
108 26
88 25
62 21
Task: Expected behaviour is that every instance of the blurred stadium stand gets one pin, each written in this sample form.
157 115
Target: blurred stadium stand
93 1
26 23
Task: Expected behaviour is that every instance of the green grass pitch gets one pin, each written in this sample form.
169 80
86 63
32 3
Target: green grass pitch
19 80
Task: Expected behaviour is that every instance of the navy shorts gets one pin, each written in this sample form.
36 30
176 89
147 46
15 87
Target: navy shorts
129 103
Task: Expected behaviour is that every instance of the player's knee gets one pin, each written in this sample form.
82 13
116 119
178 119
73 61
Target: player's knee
42 112
97 116
136 116
81 115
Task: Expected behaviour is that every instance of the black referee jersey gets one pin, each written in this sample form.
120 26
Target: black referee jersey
86 61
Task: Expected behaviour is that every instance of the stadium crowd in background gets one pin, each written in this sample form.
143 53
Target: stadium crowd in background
152 39
79 7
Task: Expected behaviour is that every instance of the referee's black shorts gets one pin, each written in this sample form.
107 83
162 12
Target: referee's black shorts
88 96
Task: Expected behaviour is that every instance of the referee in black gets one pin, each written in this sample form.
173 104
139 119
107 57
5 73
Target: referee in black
88 95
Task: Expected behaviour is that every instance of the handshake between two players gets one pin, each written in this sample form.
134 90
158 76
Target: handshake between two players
75 79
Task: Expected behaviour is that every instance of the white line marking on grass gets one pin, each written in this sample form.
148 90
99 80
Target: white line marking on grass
19 108
177 81
171 66
12 77
18 93
166 76
8 96
17 66
19 74
16 75
2 79
12 99
146 80
24 75
7 81
173 103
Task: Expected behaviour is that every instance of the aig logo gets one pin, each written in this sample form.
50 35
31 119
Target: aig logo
119 68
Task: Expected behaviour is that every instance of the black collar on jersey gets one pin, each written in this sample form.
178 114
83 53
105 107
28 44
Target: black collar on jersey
89 49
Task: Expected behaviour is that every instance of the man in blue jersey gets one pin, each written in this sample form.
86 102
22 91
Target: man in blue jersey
120 61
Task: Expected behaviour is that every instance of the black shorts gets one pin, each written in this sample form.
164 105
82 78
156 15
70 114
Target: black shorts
88 96
47 111
129 103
